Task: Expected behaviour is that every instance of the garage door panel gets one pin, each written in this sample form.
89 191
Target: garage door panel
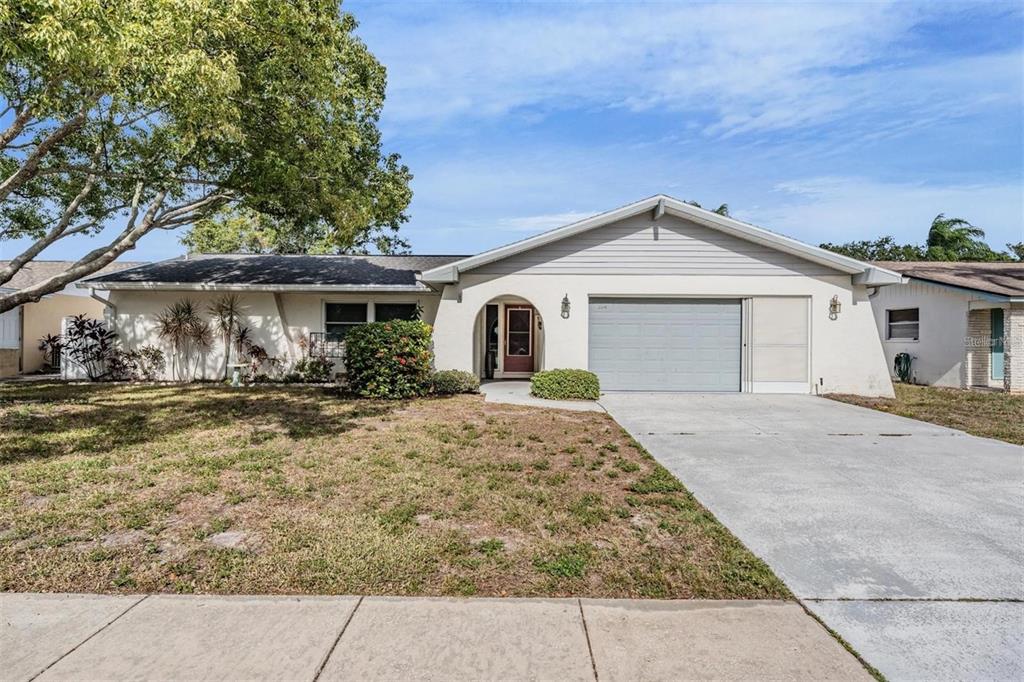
666 345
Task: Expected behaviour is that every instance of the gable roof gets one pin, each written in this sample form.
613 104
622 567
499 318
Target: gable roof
659 205
37 270
1001 279
275 273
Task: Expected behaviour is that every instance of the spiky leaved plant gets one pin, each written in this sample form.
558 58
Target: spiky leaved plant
227 312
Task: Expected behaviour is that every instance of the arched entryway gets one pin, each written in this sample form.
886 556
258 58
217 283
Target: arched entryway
508 339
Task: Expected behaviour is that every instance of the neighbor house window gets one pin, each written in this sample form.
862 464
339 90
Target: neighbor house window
902 325
341 317
384 312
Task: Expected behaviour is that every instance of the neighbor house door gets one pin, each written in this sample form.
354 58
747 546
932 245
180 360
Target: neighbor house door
998 353
518 338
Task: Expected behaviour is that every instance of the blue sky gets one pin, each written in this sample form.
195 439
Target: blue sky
824 121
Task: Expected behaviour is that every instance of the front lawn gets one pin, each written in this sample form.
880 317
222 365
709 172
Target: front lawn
983 413
292 489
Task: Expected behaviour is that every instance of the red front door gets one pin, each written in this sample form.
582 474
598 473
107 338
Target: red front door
518 338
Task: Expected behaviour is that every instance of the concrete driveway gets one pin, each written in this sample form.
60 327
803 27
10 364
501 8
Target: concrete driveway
904 537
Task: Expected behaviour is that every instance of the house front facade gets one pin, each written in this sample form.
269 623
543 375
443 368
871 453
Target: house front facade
962 324
654 296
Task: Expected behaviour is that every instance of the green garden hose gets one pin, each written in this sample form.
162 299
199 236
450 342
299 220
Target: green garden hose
901 365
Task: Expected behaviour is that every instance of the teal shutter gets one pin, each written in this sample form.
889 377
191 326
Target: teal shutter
997 343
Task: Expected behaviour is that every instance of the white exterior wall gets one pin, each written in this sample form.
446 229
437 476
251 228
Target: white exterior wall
846 355
673 258
136 319
940 351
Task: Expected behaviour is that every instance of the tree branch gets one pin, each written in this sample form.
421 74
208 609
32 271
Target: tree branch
58 231
95 259
17 125
30 166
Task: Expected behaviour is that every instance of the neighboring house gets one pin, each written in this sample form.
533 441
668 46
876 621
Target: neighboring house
22 328
962 323
654 296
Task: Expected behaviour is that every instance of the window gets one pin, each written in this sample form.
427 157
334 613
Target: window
383 312
902 325
340 317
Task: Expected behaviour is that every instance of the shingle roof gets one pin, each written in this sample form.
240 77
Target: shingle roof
1005 279
38 270
265 270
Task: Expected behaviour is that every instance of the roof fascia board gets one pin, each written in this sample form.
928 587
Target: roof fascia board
986 295
662 204
765 237
878 277
296 288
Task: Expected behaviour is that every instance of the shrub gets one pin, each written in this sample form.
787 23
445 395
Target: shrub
566 384
144 364
88 344
452 381
312 370
389 359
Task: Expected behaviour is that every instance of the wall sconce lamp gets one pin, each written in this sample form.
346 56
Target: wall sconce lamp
565 307
834 307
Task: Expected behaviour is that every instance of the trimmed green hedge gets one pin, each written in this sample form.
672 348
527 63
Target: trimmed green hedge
452 381
565 384
389 359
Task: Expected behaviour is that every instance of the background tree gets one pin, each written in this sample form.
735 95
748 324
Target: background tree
949 239
247 231
957 239
1016 250
132 116
883 248
723 209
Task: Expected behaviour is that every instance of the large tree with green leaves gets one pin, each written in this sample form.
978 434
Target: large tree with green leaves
138 115
949 239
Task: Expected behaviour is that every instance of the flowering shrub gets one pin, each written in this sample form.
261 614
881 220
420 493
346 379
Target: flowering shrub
389 359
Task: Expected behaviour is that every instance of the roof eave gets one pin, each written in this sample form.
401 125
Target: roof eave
293 288
661 204
878 277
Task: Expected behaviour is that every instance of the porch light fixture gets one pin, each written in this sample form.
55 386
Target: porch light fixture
834 306
565 307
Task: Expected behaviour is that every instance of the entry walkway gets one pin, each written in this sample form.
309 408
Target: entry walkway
59 637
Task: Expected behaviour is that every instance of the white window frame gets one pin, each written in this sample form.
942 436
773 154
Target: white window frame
889 324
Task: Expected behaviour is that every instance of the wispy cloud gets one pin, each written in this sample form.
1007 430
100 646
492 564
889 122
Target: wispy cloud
742 68
830 208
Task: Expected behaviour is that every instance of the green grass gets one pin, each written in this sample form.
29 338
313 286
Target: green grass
989 414
126 488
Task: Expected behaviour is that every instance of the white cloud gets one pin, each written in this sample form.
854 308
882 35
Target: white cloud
841 209
751 67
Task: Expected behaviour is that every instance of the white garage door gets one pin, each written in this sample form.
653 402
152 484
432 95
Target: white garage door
665 344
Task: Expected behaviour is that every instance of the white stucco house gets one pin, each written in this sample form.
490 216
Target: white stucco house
654 296
962 323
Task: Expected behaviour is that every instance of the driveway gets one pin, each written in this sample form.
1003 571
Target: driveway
904 537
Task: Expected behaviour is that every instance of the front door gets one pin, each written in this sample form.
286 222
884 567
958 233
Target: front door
518 338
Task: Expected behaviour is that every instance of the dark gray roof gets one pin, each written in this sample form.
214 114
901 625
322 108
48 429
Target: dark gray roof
271 270
226 269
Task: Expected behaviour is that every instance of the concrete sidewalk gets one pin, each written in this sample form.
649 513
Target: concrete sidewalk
308 638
